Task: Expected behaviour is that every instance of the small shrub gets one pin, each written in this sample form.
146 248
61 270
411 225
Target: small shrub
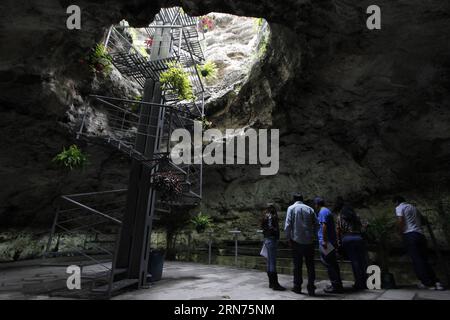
99 60
72 158
201 222
206 124
380 231
208 70
134 106
176 80
205 24
168 184
149 42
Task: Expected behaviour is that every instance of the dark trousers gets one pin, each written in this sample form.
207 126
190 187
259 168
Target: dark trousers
334 273
356 250
416 246
306 252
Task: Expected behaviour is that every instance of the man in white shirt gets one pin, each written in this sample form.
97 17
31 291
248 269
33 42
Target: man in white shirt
409 222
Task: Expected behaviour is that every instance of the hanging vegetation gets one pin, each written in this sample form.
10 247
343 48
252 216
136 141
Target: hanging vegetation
201 222
263 46
380 231
205 24
149 42
99 60
208 70
134 106
176 80
72 158
168 184
206 124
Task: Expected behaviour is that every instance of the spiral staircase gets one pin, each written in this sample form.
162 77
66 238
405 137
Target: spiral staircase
117 225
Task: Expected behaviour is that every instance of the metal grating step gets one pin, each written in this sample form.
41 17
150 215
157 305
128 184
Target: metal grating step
117 286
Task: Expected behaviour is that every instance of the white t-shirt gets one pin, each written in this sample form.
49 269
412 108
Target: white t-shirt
411 216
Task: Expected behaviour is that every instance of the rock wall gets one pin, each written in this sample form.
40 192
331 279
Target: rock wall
362 113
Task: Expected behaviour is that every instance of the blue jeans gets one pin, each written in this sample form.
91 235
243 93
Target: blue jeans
355 248
334 273
416 245
271 245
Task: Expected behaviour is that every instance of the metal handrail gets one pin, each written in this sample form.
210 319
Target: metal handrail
92 210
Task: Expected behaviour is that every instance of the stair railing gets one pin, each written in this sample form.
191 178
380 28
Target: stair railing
96 217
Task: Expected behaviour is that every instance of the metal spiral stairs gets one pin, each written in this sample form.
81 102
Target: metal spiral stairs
117 225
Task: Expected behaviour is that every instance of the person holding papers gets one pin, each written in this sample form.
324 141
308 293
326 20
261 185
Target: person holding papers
327 246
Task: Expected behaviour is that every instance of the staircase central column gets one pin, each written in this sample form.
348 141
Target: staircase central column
133 249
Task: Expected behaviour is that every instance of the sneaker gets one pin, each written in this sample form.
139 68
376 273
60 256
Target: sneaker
421 286
439 287
331 289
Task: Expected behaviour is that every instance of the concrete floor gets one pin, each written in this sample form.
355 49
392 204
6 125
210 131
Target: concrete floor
191 281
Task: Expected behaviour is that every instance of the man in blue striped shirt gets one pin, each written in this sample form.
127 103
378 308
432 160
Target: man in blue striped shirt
300 227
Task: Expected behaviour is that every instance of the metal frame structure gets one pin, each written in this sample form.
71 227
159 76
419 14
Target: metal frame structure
141 130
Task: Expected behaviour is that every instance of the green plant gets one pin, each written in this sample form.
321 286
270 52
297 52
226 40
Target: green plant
263 46
379 232
208 70
99 60
176 80
72 158
206 124
205 24
259 22
134 106
168 184
201 222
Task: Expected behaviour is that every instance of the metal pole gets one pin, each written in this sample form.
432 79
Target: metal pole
80 132
236 234
108 36
235 250
52 233
210 233
189 246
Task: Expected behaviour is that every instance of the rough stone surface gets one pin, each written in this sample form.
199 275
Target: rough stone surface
233 46
362 113
191 281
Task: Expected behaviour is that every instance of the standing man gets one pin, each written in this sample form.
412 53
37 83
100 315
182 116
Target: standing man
301 224
410 226
327 246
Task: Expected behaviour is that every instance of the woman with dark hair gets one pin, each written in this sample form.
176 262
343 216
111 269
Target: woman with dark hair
271 231
349 231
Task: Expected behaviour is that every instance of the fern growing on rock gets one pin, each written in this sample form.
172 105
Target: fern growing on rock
208 70
201 222
176 80
99 60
